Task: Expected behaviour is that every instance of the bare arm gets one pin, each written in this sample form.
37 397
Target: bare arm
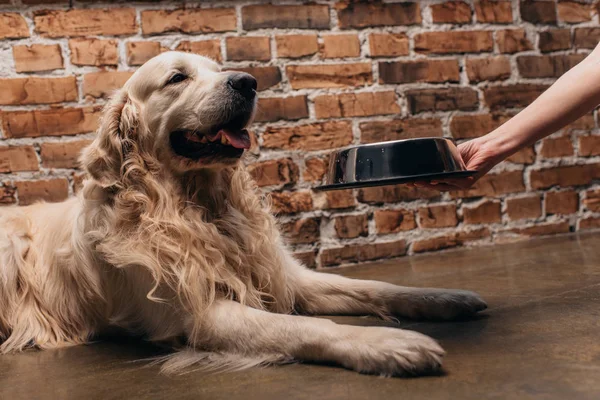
574 94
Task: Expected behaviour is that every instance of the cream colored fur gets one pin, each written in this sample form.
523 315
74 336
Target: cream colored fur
168 248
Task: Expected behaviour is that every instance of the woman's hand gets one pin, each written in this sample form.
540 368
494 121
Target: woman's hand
574 94
477 156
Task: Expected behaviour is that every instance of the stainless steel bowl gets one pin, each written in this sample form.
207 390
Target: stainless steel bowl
394 162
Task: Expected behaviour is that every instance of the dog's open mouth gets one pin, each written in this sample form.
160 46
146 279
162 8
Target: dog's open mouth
218 143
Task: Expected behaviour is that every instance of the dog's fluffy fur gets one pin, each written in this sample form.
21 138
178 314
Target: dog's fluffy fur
171 248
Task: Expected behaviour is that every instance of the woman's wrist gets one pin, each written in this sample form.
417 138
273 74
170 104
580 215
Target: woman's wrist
498 145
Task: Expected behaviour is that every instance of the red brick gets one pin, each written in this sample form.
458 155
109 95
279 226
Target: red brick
528 207
210 48
450 240
586 38
395 194
388 44
296 46
362 253
538 12
472 126
584 223
302 231
565 202
34 90
337 199
78 179
7 194
356 104
547 66
329 75
439 216
285 16
488 212
431 71
589 146
585 123
32 2
554 40
494 68
104 83
267 77
339 46
315 169
274 172
362 15
464 99
557 147
574 175
51 190
454 42
397 129
494 12
513 41
307 258
592 200
276 108
574 12
95 52
85 22
435 243
140 52
351 226
291 202
495 185
248 48
62 155
523 156
451 12
544 229
316 136
37 57
191 20
13 26
17 159
53 122
393 221
514 96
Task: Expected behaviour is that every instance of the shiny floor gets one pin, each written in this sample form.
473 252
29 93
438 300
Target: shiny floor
539 339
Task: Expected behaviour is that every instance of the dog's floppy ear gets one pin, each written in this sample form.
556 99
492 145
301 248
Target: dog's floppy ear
104 157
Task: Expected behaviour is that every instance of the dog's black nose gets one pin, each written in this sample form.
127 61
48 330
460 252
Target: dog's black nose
243 83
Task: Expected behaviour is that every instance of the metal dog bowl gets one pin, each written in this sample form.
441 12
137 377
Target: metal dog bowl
394 162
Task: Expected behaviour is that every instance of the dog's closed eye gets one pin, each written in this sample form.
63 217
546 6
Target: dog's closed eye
177 78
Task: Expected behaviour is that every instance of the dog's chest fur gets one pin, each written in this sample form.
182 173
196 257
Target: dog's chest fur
188 252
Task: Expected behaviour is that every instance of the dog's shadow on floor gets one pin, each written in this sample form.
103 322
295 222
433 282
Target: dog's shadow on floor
459 329
138 351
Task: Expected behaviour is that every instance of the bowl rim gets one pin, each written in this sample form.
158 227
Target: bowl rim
390 142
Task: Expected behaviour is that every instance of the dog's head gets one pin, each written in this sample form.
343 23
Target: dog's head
178 109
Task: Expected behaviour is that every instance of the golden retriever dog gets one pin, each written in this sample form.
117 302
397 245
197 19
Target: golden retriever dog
169 238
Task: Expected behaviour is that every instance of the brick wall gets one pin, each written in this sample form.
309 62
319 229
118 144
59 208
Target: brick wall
331 74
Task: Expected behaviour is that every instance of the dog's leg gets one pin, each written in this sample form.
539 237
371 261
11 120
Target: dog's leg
238 331
323 293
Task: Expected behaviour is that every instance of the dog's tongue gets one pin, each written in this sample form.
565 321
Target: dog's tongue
238 139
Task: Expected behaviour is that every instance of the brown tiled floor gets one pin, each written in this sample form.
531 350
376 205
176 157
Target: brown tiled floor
540 339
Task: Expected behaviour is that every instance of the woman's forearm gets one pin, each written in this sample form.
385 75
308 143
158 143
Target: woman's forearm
573 95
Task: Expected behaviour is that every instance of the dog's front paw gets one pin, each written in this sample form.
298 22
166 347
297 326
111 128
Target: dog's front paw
389 352
438 304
